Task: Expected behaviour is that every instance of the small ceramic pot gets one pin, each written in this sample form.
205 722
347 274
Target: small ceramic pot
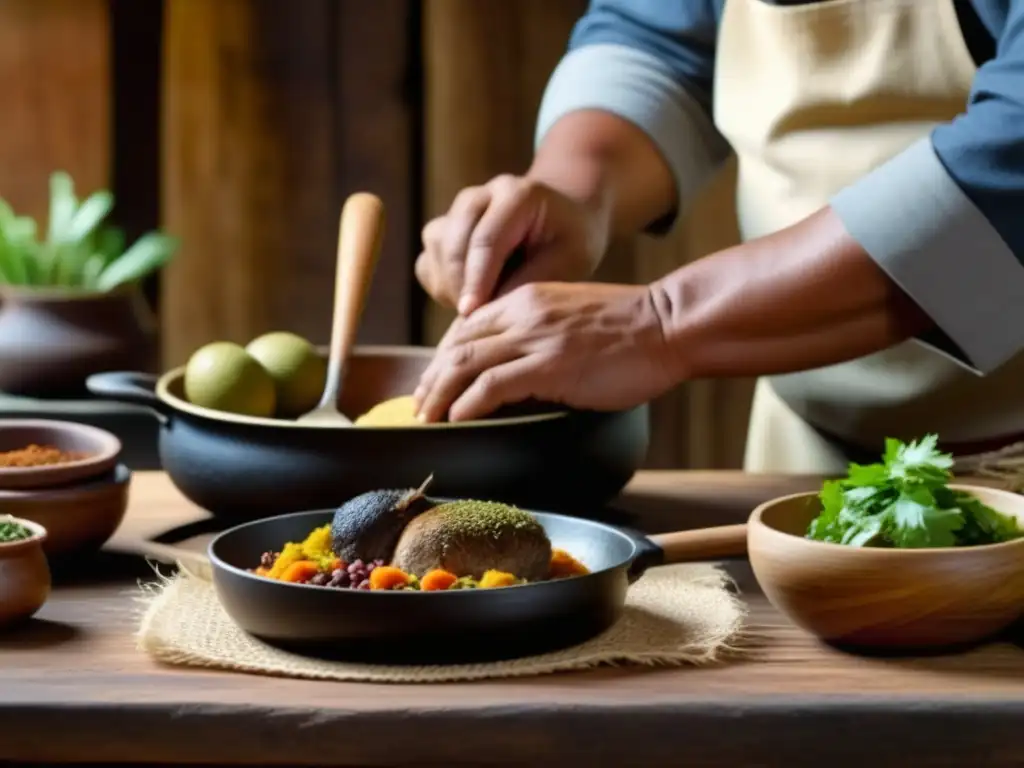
24 576
100 450
51 340
79 518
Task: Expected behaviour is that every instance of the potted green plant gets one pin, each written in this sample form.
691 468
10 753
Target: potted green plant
70 302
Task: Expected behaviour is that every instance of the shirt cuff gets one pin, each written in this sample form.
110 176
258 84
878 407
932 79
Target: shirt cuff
639 88
919 226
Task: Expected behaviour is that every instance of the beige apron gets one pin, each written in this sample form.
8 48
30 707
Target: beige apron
811 98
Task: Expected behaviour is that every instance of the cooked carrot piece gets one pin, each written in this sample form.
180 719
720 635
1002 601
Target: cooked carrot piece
388 577
437 579
563 564
300 571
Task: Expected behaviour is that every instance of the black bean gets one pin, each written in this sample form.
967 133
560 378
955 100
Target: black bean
364 585
320 579
343 579
356 565
267 559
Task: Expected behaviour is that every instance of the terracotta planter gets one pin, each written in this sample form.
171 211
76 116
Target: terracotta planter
51 340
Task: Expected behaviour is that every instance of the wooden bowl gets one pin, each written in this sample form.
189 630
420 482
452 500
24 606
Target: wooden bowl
102 449
24 576
78 518
895 598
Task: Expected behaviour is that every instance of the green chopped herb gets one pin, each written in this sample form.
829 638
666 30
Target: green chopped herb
905 502
12 530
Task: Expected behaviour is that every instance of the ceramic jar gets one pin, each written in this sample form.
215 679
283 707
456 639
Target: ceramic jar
51 340
24 576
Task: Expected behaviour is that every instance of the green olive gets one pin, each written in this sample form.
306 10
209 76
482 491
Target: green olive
224 377
298 371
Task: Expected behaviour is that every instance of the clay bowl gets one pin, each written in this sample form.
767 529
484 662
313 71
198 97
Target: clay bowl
102 449
887 598
24 576
79 518
241 468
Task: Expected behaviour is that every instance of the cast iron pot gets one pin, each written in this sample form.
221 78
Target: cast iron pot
461 626
243 468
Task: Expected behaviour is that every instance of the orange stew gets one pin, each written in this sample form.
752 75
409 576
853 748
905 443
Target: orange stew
312 563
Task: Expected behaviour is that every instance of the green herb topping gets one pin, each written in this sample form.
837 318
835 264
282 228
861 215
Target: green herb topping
12 530
905 502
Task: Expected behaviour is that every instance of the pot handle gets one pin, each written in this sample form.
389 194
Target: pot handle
687 547
129 387
702 544
718 542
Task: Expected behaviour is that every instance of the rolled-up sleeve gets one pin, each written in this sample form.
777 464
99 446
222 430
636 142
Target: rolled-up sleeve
945 218
650 62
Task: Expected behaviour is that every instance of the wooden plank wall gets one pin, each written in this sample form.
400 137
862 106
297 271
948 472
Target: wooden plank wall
55 65
273 113
486 67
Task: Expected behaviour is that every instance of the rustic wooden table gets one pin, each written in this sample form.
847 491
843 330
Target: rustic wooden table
73 688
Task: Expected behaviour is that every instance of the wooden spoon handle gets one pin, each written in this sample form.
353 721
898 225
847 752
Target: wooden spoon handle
360 233
703 544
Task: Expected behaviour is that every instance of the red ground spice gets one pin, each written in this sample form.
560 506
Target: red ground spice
39 456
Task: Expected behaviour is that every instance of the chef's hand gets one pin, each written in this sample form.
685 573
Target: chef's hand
465 250
584 345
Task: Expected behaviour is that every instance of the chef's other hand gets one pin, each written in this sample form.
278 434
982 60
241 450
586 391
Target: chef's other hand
584 345
465 250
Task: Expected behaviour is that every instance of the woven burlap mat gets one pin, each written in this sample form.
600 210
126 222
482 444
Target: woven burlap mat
675 615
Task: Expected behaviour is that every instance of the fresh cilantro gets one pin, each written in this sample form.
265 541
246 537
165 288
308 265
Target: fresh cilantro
905 502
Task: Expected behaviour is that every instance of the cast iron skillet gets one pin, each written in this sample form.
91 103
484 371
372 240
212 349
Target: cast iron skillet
456 627
242 468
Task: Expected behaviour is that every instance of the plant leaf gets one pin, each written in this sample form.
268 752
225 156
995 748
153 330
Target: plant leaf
984 524
864 531
89 216
11 265
148 253
23 248
70 244
109 245
78 241
63 204
919 524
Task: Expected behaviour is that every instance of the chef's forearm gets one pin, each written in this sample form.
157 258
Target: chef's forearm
606 162
619 119
804 297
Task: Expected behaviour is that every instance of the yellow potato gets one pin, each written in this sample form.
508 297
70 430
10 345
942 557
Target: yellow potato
396 412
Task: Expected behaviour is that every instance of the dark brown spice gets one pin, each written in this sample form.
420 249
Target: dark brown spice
39 456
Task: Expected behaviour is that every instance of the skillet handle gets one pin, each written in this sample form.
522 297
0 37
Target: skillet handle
702 544
129 387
